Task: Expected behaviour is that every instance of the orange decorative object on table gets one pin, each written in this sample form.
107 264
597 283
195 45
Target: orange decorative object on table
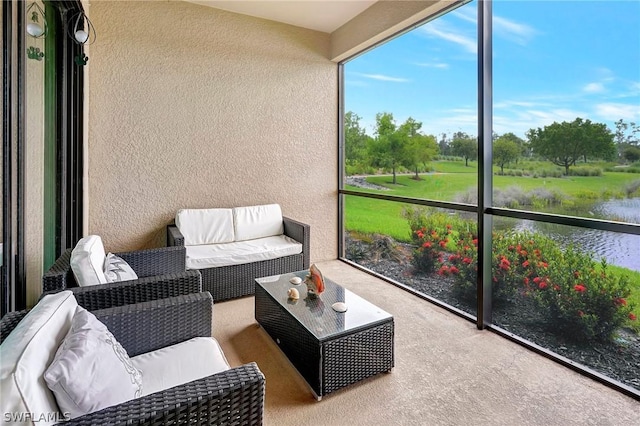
314 281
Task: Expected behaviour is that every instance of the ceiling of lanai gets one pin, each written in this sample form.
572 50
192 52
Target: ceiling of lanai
325 16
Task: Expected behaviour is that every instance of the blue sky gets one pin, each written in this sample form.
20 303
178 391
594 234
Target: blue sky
552 61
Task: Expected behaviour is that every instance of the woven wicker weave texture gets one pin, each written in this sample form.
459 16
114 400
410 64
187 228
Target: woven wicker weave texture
232 397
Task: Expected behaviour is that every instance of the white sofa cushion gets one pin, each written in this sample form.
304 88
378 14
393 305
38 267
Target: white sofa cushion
27 352
91 370
257 222
116 269
205 226
87 261
241 252
179 364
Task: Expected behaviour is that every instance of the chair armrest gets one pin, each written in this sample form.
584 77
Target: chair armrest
157 261
301 232
235 396
110 295
9 322
60 275
174 236
152 325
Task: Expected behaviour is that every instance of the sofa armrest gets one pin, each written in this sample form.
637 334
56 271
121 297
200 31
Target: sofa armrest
157 261
301 232
232 397
152 325
174 236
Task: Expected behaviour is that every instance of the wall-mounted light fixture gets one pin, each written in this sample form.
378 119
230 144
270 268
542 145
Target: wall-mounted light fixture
81 30
36 21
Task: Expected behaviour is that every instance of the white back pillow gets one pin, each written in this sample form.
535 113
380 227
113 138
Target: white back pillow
87 261
27 352
205 226
257 221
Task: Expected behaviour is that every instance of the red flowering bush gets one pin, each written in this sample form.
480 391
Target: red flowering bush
575 294
435 235
431 246
582 299
516 258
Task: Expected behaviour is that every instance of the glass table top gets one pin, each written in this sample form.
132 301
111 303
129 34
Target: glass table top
317 315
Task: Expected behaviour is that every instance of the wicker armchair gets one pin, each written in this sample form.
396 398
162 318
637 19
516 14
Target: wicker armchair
161 274
232 397
229 282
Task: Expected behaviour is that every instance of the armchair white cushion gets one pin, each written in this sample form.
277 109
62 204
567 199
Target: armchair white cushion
205 226
179 364
87 261
27 352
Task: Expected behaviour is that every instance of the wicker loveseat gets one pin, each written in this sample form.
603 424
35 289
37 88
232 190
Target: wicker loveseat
161 273
231 397
228 229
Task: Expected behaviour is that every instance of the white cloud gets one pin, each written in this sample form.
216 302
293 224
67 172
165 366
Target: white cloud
512 104
467 14
615 111
593 88
382 77
436 30
557 115
515 31
439 65
512 30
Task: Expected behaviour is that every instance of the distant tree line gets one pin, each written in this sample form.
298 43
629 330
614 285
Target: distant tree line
396 145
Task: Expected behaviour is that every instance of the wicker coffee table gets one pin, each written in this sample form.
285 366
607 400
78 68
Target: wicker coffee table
329 349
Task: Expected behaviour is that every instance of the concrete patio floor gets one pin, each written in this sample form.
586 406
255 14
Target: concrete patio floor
446 372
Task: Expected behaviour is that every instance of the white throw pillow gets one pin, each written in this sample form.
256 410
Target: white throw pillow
205 226
91 370
87 260
257 222
116 269
27 352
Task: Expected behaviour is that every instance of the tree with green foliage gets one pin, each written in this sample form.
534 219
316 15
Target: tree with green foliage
355 138
420 148
505 151
565 143
464 146
631 154
523 146
388 148
443 145
626 135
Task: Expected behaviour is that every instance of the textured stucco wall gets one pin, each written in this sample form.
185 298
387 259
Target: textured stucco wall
197 107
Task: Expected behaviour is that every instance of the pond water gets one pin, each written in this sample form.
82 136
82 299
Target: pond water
618 249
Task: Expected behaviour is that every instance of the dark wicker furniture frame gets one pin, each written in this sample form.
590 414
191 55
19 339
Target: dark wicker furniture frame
229 282
161 274
232 397
341 358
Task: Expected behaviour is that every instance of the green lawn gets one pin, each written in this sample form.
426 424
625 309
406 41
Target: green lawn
378 216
